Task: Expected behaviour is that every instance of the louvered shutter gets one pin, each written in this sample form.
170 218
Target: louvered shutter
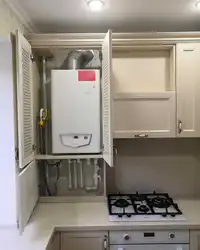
107 99
24 101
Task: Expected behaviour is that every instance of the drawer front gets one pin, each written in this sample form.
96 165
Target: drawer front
145 237
151 247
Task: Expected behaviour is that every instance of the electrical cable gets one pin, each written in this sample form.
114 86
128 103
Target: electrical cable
54 163
57 177
57 165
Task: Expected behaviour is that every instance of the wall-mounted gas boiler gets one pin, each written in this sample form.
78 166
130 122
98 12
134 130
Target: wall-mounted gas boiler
75 104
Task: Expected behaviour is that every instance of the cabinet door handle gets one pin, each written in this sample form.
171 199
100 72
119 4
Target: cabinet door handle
179 126
188 50
141 136
105 242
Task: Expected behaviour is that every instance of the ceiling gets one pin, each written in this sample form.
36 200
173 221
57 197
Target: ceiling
119 15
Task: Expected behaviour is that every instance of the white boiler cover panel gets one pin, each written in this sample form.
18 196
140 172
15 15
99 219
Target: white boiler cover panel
75 103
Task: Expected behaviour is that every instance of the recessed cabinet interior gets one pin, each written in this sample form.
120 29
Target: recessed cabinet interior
144 92
188 89
84 240
143 69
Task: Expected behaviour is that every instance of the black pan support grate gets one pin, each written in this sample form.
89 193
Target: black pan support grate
153 201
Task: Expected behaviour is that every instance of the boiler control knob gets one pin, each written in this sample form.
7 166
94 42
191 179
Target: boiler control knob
126 237
171 235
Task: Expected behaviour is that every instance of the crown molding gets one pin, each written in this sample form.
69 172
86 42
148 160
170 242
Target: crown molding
21 15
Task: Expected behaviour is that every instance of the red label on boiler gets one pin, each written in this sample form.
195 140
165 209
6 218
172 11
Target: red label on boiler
86 76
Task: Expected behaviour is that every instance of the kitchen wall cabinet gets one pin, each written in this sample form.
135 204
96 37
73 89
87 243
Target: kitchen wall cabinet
188 89
194 240
27 108
24 162
144 92
84 241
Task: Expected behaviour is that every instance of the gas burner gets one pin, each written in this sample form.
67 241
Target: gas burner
152 206
121 203
143 209
160 202
138 197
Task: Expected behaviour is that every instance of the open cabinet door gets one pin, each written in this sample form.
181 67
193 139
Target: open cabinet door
107 99
27 178
24 101
27 195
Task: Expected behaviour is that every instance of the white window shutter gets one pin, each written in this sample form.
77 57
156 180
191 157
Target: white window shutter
24 101
107 99
27 194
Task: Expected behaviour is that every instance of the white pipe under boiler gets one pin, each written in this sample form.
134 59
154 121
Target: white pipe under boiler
96 177
69 175
81 173
75 175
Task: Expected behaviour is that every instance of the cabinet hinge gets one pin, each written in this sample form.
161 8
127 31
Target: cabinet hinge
17 154
32 58
101 56
18 224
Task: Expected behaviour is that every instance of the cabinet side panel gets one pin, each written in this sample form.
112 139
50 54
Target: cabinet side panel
7 135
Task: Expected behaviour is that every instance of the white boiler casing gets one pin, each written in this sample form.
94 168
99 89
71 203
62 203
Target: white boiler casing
75 104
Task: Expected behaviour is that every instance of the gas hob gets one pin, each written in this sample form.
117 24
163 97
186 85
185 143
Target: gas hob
143 207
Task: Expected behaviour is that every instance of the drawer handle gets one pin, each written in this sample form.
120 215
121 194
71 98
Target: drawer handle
141 136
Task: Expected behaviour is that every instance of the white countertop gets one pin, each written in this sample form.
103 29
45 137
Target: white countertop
86 216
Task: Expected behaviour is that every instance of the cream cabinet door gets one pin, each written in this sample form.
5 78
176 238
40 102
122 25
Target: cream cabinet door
107 99
138 115
195 240
188 89
54 243
84 241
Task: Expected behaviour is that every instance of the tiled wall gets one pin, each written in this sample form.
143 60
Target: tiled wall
165 165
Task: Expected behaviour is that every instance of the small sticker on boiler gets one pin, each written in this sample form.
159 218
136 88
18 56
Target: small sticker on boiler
86 76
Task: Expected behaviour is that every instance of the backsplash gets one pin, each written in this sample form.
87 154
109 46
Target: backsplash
163 165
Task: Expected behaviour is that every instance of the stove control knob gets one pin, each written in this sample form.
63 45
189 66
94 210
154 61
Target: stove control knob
172 236
126 237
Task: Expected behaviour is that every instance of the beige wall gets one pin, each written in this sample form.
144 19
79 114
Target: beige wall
8 20
165 165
